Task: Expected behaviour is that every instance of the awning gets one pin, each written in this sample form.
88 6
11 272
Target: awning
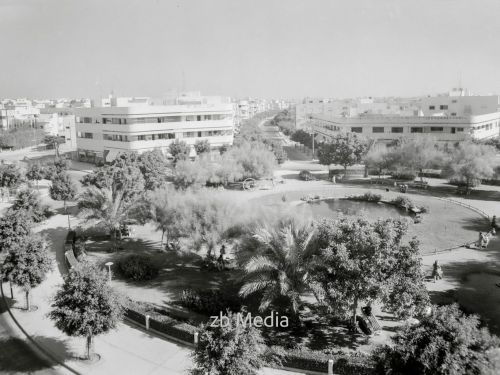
111 155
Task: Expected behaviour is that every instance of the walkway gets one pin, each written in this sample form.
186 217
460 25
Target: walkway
126 350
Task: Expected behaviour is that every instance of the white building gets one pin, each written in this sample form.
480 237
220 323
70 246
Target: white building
104 132
59 122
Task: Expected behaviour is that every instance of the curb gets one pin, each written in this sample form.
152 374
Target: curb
39 347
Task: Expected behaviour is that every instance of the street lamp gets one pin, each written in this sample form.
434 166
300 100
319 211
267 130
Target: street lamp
109 264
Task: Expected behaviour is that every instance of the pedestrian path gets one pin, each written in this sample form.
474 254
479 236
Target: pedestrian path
126 350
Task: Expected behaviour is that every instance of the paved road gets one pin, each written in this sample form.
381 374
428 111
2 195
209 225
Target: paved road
16 356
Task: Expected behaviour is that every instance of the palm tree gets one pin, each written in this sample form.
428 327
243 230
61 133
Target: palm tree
282 269
110 207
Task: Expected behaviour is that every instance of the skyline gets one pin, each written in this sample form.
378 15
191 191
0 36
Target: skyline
268 49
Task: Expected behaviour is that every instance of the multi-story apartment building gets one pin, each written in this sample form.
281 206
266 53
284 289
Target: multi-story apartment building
448 118
104 132
60 122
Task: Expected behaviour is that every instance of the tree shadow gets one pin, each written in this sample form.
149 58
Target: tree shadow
478 224
16 355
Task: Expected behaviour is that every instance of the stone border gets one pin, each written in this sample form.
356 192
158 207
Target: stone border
47 353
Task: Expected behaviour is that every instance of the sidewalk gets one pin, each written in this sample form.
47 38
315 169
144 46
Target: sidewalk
126 350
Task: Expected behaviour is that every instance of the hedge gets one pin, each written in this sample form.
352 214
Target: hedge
313 360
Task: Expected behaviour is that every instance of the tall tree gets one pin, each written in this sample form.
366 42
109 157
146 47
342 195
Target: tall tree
229 349
155 169
27 264
379 158
447 342
169 213
63 189
343 149
35 172
86 305
417 154
471 162
179 150
202 147
363 261
55 141
29 200
282 266
14 227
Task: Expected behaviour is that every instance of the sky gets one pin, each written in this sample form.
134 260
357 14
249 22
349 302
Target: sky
258 48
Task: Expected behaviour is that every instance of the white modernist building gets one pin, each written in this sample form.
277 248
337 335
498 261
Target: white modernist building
104 132
446 118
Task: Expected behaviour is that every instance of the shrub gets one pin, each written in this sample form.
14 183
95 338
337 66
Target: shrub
138 267
79 250
366 197
306 175
405 176
403 202
209 302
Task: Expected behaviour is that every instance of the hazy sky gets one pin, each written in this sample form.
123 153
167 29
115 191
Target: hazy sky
265 48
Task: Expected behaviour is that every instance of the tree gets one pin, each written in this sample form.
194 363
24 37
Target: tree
362 261
168 213
155 169
229 349
343 149
283 265
189 173
29 200
14 227
35 172
471 162
378 158
209 218
63 189
202 147
255 159
279 153
447 342
86 305
417 154
27 264
11 176
302 137
179 150
54 141
111 208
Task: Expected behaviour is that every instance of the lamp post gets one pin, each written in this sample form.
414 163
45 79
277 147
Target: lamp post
109 264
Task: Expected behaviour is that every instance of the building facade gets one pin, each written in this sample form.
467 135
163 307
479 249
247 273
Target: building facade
387 128
104 132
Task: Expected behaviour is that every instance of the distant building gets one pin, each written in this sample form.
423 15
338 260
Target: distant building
454 117
104 132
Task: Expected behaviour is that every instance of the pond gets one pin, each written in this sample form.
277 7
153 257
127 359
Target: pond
372 211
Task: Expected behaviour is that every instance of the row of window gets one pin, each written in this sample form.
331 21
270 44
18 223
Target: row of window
441 107
153 137
399 129
144 120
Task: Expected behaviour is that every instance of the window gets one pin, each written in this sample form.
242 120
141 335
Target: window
454 101
443 106
432 108
141 137
106 120
87 120
460 129
453 113
357 129
396 130
417 130
199 134
436 128
378 129
198 118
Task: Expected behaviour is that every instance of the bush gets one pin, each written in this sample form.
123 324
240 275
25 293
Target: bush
405 176
209 302
138 267
366 197
79 250
315 360
160 321
306 175
403 202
